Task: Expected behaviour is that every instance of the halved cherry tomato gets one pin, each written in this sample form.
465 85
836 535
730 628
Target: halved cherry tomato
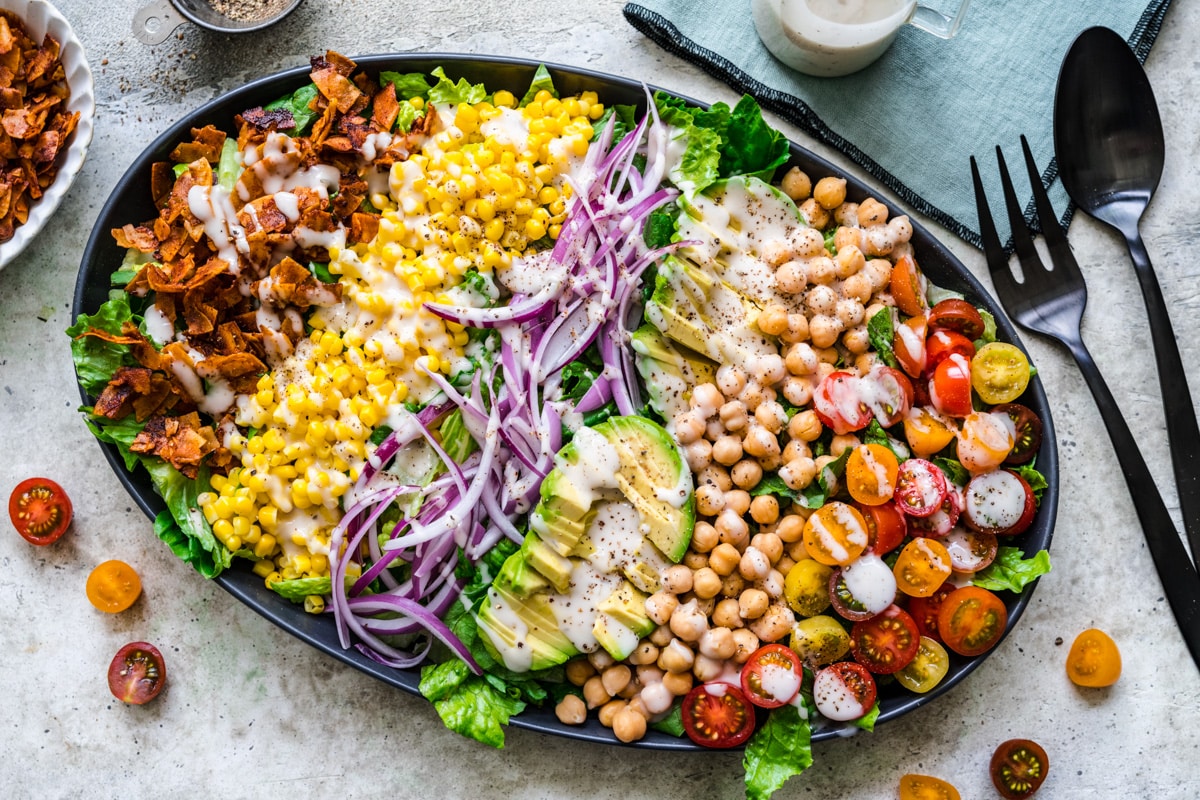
942 521
924 610
820 640
922 567
886 642
886 526
1019 768
1028 437
888 393
999 502
806 587
717 715
1094 660
970 551
40 510
957 315
985 440
920 487
844 691
940 344
113 586
871 473
771 676
845 604
950 386
908 343
839 404
926 787
926 434
926 670
999 373
137 673
971 620
908 286
835 534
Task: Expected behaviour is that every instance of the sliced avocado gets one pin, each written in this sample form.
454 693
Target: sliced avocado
549 564
558 532
560 496
670 372
627 605
522 632
615 637
517 575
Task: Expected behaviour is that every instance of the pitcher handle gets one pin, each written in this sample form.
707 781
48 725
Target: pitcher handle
939 24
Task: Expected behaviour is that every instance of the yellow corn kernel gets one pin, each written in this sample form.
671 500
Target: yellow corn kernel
554 230
320 563
243 506
262 568
535 228
222 529
493 231
547 195
314 604
265 382
241 527
265 546
301 563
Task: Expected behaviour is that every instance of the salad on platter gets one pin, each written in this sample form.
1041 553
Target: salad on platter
570 404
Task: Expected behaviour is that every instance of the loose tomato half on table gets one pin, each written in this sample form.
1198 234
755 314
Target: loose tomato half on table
1019 768
137 673
40 510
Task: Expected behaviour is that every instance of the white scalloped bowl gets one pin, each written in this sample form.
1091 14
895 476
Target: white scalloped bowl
43 18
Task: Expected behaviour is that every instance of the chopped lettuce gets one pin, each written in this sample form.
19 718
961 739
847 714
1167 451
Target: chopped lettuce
406 116
1011 571
468 704
541 82
183 526
954 470
779 749
299 588
456 439
672 723
95 359
881 332
297 104
448 93
626 121
660 227
408 85
228 167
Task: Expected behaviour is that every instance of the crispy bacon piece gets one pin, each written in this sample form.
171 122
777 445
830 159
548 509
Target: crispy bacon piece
138 237
206 143
116 401
385 108
279 119
180 441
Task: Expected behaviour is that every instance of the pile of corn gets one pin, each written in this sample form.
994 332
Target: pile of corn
475 197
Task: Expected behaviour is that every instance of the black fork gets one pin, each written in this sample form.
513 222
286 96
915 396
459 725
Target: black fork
1051 302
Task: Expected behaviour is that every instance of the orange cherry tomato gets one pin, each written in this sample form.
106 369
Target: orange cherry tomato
926 434
926 787
971 620
908 286
923 566
40 510
985 440
113 586
871 473
908 343
1094 660
886 526
835 534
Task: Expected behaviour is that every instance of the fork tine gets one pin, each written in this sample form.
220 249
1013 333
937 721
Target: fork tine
1022 241
1056 241
1002 277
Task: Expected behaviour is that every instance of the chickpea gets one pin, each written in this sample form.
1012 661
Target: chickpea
773 584
718 643
732 585
790 529
858 287
660 606
601 660
805 425
676 657
799 473
797 551
775 624
727 450
695 561
706 583
871 212
815 214
629 725
754 564
746 474
717 476
753 604
698 455
704 605
594 692
771 415
857 340
678 683
784 564
709 500
661 636
769 544
704 538
609 710
879 270
849 234
706 669
806 242
615 678
880 241
746 642
821 299
824 331
571 710
760 442
724 558
797 330
796 184
829 357
821 271
657 698
848 261
849 312
649 674
797 391
688 622
773 320
775 252
705 400
689 426
677 579
726 615
732 528
764 509
644 653
713 430
830 192
579 670
791 278
730 379
738 500
843 442
733 414
796 448
902 227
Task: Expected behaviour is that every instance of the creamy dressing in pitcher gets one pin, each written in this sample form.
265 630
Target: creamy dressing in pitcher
829 37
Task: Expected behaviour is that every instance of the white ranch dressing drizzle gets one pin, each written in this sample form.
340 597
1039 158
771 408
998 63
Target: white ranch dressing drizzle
871 582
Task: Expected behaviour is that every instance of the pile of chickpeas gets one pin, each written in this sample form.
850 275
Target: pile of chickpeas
726 598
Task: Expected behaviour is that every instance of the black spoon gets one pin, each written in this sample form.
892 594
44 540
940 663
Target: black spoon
1108 139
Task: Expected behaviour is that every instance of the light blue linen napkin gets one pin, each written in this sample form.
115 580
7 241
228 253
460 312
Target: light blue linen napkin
914 117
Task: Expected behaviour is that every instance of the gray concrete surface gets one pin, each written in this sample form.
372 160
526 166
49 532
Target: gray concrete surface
251 712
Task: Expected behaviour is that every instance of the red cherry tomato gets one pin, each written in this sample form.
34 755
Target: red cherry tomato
920 487
839 404
40 510
942 343
137 673
970 551
943 520
1019 768
771 676
886 526
950 386
886 642
908 286
717 715
971 620
954 314
1029 432
844 691
908 343
888 393
924 610
998 502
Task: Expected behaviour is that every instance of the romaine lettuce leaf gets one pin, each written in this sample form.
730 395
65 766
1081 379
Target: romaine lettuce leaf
447 92
297 104
407 115
468 704
881 333
298 589
183 526
228 167
95 359
541 81
408 85
779 749
1011 571
626 121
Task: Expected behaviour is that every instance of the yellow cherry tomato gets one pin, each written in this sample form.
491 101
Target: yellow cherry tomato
923 566
113 586
926 434
806 587
926 787
871 473
1094 660
926 670
836 534
999 373
820 640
